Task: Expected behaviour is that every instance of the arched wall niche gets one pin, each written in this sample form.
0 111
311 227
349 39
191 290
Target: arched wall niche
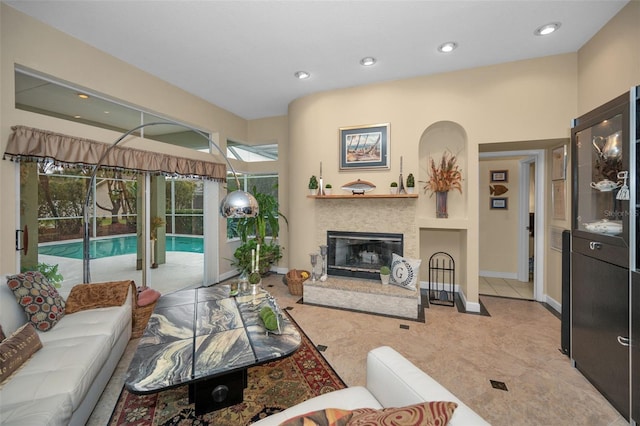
436 140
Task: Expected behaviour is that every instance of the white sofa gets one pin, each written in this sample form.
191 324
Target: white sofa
62 382
392 381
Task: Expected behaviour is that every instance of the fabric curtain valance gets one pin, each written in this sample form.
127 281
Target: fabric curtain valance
35 145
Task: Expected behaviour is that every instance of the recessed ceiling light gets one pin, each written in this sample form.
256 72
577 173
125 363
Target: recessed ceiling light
368 61
302 75
77 117
447 47
547 29
83 96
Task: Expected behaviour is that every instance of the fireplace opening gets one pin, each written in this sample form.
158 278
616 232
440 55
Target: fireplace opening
361 254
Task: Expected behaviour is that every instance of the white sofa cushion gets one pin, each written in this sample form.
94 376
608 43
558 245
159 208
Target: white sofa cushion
53 411
346 399
106 322
67 366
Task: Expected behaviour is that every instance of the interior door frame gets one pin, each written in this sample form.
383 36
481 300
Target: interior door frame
536 156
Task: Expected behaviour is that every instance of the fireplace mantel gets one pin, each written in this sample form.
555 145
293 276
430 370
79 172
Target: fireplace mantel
362 196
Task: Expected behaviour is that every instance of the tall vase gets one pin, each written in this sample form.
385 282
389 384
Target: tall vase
441 204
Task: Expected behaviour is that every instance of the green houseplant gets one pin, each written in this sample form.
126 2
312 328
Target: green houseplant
313 185
385 274
256 230
327 189
393 188
411 183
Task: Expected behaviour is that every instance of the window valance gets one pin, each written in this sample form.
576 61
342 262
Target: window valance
35 145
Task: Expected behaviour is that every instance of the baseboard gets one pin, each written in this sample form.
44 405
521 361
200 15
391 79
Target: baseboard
553 303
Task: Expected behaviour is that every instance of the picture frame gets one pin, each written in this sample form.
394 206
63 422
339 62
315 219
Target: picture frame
559 163
499 203
364 147
499 175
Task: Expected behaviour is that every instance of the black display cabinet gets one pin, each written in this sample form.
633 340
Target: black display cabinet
600 290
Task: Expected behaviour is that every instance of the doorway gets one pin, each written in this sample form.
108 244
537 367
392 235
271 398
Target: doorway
520 275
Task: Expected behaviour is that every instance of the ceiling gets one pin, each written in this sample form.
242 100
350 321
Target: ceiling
242 55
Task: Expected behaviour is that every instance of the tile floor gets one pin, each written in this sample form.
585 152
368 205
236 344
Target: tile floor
518 345
506 287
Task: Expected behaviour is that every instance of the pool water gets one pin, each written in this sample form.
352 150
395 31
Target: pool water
114 246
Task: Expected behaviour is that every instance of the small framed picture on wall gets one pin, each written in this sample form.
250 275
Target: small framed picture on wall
499 175
499 203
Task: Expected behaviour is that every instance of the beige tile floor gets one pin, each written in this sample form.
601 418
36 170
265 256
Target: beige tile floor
517 344
506 287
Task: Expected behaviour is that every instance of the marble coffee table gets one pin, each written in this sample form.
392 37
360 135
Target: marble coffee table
206 339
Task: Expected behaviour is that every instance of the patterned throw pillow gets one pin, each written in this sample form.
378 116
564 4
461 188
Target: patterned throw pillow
39 299
435 413
16 349
405 272
326 417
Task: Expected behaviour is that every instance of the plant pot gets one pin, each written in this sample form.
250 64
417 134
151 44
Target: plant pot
393 190
327 191
410 189
313 191
384 278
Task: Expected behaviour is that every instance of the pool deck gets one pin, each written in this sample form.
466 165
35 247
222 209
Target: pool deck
182 270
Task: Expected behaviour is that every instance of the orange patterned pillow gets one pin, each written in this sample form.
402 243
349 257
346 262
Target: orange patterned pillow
437 413
326 417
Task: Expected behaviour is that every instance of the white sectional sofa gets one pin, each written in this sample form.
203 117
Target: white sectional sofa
392 381
62 382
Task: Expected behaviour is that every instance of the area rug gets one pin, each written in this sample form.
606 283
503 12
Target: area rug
272 387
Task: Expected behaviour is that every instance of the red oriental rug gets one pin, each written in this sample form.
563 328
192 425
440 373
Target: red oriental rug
272 387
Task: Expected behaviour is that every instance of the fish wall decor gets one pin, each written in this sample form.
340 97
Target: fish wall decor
498 190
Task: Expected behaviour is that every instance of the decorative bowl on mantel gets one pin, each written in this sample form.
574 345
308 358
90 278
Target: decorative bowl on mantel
358 187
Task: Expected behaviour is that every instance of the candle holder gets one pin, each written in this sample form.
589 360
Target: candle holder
323 253
314 262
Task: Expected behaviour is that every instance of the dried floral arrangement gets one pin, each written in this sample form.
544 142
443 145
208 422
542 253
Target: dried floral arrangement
444 176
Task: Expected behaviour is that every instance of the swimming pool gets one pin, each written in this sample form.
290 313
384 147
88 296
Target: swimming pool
114 246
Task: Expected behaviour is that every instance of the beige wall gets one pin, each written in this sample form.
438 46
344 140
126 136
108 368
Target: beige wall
27 42
499 228
609 64
526 100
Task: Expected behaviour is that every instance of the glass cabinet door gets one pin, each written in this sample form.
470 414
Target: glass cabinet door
601 177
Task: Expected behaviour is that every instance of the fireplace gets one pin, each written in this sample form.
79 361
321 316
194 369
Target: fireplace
361 254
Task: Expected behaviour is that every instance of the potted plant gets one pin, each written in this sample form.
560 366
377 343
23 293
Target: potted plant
313 185
327 189
385 274
411 183
393 188
253 232
443 177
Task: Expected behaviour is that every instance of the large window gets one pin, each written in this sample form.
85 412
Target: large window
184 206
61 191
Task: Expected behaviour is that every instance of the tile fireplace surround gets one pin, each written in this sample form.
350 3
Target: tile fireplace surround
389 215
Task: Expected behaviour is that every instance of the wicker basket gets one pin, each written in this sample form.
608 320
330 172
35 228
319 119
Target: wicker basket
141 315
295 280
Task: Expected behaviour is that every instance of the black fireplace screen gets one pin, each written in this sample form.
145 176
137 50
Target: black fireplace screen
361 254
